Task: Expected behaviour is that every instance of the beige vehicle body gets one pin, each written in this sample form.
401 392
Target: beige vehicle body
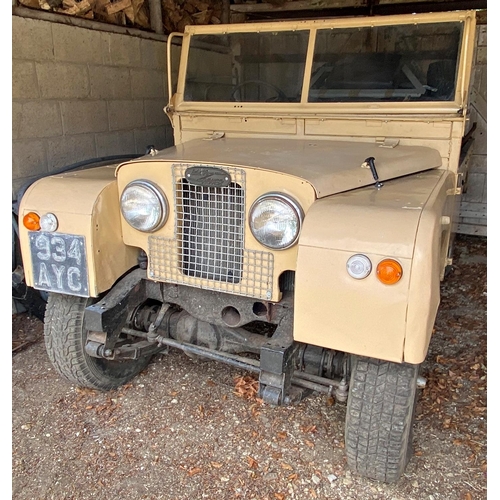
311 147
312 151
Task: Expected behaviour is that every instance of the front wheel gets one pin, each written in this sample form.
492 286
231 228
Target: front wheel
65 338
379 418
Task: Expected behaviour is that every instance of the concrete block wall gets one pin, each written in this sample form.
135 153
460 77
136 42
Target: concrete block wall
473 207
80 93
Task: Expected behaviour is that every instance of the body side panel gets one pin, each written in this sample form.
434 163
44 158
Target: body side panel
429 261
90 208
366 317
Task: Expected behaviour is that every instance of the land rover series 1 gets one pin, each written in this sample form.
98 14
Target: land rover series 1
298 229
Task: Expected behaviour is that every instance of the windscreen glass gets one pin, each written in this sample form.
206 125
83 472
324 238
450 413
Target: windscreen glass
246 67
414 62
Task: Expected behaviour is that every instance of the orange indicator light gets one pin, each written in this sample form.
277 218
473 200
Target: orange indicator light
389 271
31 221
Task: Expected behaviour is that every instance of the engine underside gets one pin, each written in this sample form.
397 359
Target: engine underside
139 317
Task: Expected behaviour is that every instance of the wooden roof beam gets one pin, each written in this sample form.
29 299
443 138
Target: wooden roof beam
370 6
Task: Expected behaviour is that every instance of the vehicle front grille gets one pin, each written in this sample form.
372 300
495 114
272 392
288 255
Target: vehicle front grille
210 222
209 248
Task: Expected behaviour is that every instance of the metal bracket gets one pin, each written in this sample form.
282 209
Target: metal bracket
277 364
110 314
387 142
134 350
165 307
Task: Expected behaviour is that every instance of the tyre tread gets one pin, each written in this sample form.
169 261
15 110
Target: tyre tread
65 345
379 417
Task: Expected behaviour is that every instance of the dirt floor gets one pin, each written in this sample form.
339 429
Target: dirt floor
194 430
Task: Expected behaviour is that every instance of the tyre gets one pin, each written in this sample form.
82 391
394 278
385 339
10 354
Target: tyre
379 417
65 339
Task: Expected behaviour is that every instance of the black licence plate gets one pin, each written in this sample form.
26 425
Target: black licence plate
59 263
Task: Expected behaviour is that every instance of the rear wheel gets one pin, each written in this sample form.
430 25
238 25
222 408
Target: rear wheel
379 418
65 338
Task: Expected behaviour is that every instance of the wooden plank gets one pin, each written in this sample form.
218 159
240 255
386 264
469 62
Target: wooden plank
479 103
479 164
396 2
118 6
30 3
468 214
482 17
472 230
86 23
137 14
300 5
226 7
481 36
72 8
472 222
473 207
297 5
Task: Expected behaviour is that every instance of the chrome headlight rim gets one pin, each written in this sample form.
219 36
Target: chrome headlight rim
288 200
152 187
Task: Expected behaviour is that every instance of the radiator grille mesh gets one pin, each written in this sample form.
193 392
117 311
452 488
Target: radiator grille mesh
208 250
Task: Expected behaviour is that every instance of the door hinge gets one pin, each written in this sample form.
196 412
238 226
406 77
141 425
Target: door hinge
387 142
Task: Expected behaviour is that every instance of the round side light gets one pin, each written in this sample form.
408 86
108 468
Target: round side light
48 222
359 266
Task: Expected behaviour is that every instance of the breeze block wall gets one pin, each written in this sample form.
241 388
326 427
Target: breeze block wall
81 93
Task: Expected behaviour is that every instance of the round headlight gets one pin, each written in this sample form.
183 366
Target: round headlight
276 220
144 206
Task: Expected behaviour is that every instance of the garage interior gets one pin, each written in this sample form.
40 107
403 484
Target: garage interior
89 77
89 80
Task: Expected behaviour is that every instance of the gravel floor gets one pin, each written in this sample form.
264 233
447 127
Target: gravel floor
187 429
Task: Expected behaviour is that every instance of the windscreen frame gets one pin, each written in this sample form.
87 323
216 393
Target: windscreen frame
306 108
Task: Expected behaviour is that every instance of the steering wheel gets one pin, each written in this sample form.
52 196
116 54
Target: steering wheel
280 97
